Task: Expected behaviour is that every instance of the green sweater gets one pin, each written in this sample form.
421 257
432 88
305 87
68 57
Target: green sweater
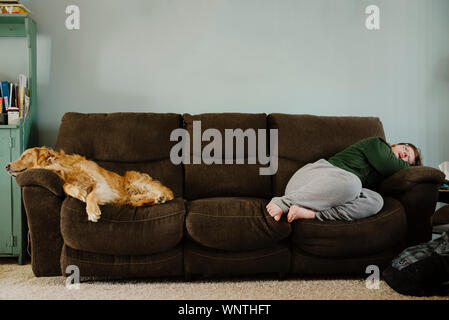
371 159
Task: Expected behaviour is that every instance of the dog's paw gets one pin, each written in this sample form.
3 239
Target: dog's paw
161 199
93 215
92 218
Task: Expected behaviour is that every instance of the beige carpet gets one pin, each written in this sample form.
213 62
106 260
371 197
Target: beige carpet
18 282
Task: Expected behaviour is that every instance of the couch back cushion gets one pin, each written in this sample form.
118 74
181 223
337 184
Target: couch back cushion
125 141
221 180
306 138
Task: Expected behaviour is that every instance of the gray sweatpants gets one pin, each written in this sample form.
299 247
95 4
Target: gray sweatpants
333 193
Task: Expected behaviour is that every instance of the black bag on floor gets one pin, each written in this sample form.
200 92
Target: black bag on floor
421 270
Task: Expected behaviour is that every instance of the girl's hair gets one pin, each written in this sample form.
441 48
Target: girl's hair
418 158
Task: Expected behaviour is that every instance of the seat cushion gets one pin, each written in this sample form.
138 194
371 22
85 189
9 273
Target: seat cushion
307 264
95 266
343 239
234 224
206 261
123 230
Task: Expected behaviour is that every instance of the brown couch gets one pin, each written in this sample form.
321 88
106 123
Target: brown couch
217 224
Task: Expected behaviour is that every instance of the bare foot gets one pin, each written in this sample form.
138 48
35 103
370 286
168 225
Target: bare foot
297 212
274 210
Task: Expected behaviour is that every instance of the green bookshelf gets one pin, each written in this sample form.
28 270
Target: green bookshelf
14 139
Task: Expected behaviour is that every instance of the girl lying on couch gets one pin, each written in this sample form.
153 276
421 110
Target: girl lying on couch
340 188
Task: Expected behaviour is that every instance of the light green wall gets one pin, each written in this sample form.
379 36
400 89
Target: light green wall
14 63
291 56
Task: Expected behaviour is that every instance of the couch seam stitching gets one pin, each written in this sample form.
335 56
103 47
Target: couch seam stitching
208 215
236 259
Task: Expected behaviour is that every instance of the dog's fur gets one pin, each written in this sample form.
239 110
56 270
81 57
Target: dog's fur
87 181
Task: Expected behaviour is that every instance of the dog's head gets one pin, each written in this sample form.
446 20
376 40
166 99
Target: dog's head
30 159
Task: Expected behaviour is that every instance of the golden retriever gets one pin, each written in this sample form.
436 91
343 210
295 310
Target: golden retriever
87 181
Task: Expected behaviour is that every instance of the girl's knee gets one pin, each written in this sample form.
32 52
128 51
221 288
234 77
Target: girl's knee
352 188
379 201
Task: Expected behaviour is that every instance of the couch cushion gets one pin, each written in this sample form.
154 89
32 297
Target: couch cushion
234 224
121 136
305 138
220 180
123 230
343 239
95 266
125 141
213 262
307 264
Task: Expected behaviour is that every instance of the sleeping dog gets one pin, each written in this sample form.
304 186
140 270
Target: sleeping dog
87 181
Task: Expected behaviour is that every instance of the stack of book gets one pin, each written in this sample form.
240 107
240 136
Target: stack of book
12 7
15 96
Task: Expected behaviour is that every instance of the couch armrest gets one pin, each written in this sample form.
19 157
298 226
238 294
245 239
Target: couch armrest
417 189
406 179
42 196
42 178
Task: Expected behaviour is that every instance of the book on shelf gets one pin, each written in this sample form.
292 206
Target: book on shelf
13 7
4 88
16 95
